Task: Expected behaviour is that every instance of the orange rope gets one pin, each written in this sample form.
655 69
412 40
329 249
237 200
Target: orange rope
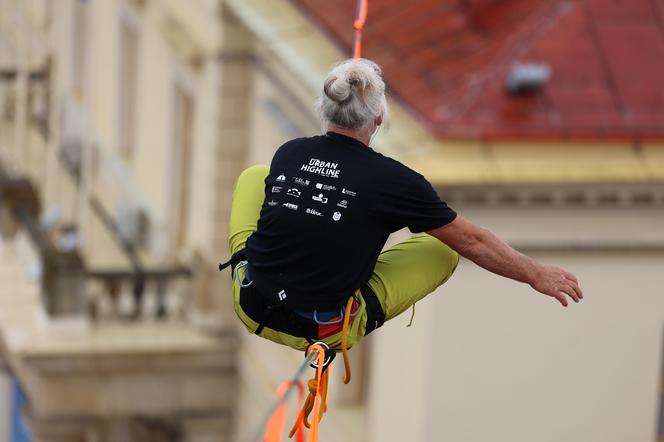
344 337
275 426
358 24
318 386
317 399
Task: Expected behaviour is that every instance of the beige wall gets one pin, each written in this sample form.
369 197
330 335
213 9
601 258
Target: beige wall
489 359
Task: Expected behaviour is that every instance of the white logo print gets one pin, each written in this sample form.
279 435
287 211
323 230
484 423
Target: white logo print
336 216
320 167
281 178
282 295
276 189
325 187
343 204
320 198
301 182
272 203
290 206
313 212
348 192
294 192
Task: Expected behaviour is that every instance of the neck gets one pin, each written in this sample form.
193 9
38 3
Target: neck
362 136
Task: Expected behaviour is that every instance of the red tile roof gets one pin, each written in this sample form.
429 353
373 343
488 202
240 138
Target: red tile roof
448 61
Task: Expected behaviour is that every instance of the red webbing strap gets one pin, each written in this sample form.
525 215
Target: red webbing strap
358 24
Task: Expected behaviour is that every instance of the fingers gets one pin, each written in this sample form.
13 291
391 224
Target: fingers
560 296
571 277
571 292
577 292
575 284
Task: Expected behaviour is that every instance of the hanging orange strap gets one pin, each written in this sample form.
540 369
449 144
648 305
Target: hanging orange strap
275 426
358 24
344 336
317 399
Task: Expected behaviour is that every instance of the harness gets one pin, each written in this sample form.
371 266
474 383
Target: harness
286 317
279 318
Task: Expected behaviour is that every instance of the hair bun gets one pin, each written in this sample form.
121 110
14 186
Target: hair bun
338 89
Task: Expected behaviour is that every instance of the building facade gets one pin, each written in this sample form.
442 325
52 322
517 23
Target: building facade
112 323
132 119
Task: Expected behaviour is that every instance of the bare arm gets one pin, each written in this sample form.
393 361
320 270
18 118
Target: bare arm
489 252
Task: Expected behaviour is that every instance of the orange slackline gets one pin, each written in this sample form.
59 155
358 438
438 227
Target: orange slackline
358 24
275 426
317 399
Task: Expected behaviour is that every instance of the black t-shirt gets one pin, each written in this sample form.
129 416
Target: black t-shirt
330 204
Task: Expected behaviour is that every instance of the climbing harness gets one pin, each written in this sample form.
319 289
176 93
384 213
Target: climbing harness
340 317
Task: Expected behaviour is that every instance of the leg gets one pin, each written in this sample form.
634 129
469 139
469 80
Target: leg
409 271
246 207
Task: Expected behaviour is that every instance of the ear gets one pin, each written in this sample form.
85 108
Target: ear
379 120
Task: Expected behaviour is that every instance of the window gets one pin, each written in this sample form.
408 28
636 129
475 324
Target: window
183 119
129 53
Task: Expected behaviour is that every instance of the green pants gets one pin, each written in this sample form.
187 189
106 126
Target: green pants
403 275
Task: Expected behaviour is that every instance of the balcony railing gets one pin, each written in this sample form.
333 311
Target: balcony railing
70 286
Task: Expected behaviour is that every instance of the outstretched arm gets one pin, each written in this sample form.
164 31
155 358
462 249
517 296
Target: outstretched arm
488 251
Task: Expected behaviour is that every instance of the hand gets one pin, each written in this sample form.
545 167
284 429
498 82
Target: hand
558 284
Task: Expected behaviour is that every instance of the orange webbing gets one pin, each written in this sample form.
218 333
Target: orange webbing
317 398
358 24
275 426
344 336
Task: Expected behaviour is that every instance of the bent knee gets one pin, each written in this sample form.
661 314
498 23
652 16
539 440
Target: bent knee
254 173
445 258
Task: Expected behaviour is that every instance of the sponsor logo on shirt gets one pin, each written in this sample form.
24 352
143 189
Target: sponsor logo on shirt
320 198
276 189
348 192
343 204
272 203
281 178
290 206
294 192
313 212
282 295
336 216
322 186
301 182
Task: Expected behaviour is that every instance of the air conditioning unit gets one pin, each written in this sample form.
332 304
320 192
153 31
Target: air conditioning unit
73 125
527 78
133 222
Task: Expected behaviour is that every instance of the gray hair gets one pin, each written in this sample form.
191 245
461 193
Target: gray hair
353 96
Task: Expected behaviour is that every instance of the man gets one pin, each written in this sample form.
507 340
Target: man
307 233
